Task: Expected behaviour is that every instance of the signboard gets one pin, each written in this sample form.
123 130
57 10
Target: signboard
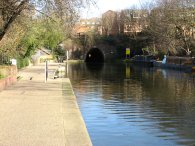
127 51
13 61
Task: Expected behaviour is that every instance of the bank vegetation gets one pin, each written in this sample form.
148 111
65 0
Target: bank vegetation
26 25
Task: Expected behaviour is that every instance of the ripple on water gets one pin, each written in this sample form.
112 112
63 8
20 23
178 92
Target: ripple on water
146 109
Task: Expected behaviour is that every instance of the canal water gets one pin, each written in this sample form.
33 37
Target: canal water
125 105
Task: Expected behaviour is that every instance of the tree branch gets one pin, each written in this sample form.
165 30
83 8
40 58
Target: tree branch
12 18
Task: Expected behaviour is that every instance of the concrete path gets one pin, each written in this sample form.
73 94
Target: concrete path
35 113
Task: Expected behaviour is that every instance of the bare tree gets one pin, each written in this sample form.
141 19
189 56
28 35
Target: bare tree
110 23
171 25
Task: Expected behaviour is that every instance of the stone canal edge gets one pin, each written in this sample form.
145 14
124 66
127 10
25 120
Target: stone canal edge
35 113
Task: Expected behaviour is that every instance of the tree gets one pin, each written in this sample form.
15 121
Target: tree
10 10
171 25
110 23
14 35
28 24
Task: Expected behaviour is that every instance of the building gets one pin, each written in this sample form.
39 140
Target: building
127 22
132 21
88 25
41 55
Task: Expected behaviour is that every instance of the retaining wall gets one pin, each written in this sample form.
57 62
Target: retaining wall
9 74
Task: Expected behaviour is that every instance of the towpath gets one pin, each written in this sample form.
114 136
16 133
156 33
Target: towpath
35 113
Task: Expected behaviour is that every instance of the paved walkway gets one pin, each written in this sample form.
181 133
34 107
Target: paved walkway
35 113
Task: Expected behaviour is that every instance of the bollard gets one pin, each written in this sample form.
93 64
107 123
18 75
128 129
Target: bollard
46 71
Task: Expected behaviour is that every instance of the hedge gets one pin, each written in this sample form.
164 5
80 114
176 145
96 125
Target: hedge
22 62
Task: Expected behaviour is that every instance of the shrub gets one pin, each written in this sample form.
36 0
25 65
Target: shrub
22 62
1 76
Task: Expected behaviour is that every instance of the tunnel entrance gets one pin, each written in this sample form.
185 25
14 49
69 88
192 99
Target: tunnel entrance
94 55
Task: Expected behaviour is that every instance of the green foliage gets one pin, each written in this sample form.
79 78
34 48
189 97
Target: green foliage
27 25
1 76
31 40
22 62
53 35
41 33
59 51
4 59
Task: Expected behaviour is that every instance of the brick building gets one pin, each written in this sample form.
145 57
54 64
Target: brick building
88 25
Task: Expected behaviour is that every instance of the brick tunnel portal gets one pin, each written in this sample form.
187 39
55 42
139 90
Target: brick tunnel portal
94 55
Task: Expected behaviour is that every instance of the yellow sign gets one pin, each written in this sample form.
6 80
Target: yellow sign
127 51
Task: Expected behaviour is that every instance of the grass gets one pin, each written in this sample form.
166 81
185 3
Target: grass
1 76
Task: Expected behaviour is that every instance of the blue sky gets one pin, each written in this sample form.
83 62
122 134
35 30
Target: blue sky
104 5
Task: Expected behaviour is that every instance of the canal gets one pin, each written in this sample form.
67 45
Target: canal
124 105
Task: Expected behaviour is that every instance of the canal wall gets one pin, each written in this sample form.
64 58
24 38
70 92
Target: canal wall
39 113
8 76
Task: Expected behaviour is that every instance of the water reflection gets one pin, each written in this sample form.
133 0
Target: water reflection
125 105
94 67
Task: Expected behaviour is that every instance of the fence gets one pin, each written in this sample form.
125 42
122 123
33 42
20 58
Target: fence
4 59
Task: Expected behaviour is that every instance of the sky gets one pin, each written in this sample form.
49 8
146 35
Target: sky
104 5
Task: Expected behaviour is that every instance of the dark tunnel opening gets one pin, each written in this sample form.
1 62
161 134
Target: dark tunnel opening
94 55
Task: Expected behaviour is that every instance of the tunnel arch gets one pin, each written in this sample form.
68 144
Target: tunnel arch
94 55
